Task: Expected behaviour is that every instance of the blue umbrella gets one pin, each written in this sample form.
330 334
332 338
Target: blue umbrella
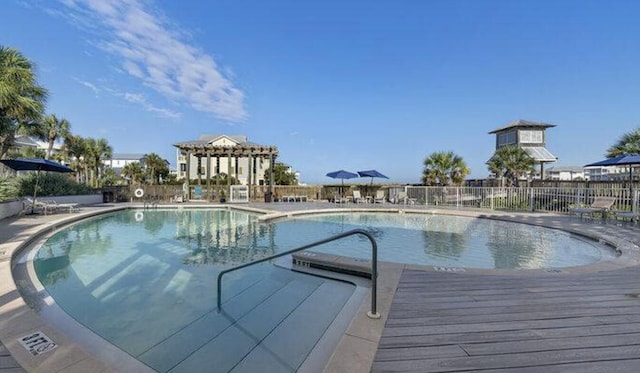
371 174
342 174
35 164
621 160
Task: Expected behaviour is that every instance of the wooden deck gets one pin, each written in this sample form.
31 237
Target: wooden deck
553 322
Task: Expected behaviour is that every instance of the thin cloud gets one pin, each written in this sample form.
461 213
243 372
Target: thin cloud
153 50
88 85
139 99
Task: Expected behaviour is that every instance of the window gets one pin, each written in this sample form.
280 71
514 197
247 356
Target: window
531 137
507 138
183 167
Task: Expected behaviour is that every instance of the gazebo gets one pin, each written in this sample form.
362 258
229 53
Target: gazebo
232 148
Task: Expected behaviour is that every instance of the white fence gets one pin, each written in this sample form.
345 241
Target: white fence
558 200
239 194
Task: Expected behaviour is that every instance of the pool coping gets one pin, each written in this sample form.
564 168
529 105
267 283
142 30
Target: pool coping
355 351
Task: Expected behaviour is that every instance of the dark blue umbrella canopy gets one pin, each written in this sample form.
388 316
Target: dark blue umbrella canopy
371 173
35 164
342 174
621 160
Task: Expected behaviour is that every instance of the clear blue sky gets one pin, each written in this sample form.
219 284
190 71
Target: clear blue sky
337 84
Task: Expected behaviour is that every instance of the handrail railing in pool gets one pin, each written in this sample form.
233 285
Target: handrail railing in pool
373 313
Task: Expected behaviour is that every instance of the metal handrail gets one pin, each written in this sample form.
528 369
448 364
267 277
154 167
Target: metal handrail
373 313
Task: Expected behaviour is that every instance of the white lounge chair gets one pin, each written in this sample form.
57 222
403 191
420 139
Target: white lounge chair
600 205
379 198
402 197
357 197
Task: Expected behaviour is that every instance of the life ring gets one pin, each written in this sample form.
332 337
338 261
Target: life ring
139 216
139 193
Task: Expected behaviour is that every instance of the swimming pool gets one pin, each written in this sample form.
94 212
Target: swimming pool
145 280
447 241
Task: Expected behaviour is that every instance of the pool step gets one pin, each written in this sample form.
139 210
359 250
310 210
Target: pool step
294 307
333 263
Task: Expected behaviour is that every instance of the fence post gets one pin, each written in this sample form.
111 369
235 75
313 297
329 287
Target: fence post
634 203
531 199
491 194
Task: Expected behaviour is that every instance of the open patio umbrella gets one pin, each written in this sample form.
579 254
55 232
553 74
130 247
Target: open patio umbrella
621 160
35 164
371 174
342 174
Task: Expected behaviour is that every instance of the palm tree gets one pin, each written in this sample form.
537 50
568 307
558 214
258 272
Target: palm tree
21 99
75 148
134 172
52 129
96 151
155 167
444 168
512 163
281 175
629 143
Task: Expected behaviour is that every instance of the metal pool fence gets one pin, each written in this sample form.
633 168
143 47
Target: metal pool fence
548 199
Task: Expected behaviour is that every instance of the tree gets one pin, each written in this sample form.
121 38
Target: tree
281 175
444 168
75 148
21 98
629 143
155 167
96 151
134 172
52 129
512 163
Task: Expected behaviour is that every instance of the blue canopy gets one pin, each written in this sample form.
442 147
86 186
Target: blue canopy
342 174
621 160
35 164
371 173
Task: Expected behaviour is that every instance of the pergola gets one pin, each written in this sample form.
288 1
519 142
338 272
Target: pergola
233 153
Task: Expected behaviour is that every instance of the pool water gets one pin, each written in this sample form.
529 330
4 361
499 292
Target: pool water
146 280
449 241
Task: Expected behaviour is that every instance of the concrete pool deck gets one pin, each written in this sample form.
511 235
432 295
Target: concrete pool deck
367 344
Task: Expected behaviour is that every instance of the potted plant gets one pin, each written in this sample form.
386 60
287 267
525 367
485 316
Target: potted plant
223 197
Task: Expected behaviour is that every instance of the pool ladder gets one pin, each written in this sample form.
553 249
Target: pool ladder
373 313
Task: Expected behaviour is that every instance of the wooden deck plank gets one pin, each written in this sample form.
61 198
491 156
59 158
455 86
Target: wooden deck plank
508 335
540 359
549 322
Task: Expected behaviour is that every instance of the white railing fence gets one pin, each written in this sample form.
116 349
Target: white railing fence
558 200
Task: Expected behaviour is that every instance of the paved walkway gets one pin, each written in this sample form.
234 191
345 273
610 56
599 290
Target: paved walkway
585 319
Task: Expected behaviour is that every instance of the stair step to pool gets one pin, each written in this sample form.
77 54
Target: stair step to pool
277 335
333 263
288 345
180 345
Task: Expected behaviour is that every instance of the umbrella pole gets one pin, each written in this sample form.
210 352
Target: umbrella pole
35 191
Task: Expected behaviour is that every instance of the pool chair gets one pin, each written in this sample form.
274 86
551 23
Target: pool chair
633 216
357 197
379 198
600 205
402 197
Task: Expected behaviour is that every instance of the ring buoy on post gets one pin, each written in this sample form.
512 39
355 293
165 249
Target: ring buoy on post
139 193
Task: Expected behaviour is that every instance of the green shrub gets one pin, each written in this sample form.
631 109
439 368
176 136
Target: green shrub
50 184
8 188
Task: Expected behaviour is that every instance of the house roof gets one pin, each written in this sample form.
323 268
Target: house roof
565 169
207 139
521 123
25 141
127 156
540 153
